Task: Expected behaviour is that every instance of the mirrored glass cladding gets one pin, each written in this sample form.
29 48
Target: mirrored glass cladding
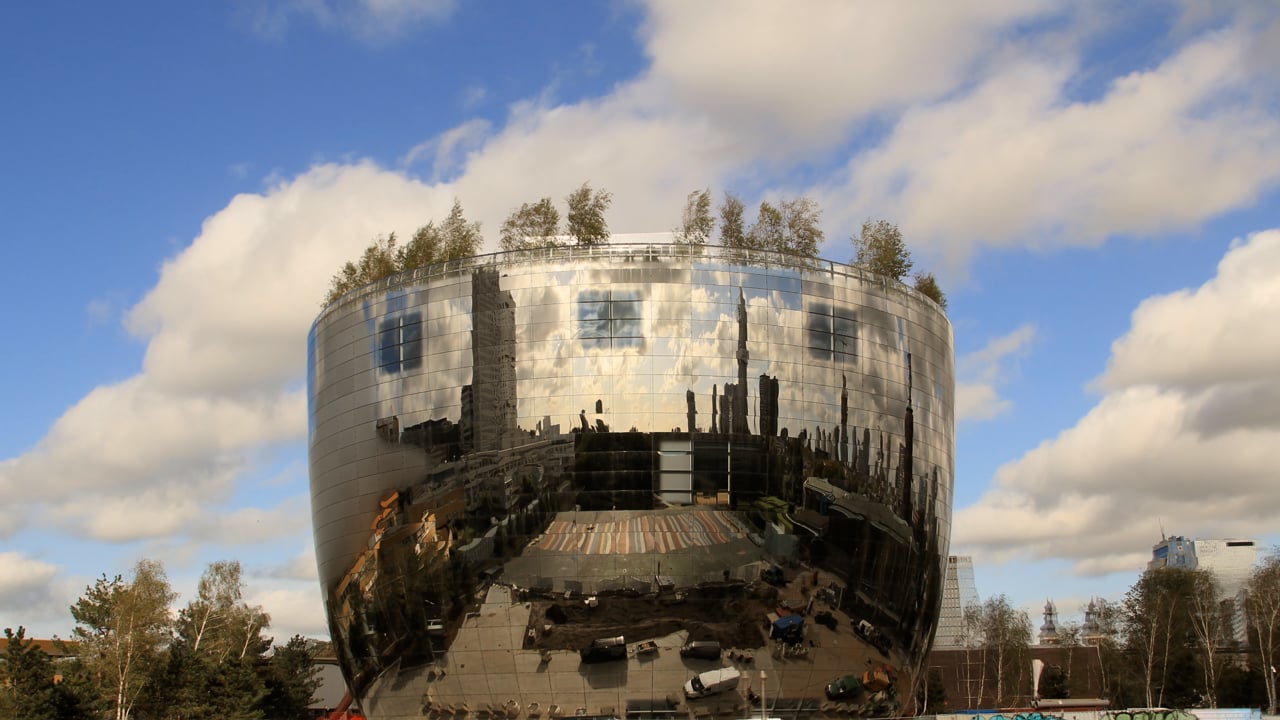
517 461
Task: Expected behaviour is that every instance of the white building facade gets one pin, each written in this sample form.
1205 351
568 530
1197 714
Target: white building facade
1229 560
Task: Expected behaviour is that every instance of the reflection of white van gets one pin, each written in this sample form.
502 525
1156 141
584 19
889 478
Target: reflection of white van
712 682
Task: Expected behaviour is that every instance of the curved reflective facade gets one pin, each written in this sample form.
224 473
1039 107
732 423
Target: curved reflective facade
519 458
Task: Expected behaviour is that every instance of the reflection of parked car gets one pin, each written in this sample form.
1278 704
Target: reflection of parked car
701 649
825 618
774 575
712 682
844 688
604 650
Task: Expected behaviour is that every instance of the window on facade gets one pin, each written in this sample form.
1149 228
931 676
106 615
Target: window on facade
400 342
610 318
832 333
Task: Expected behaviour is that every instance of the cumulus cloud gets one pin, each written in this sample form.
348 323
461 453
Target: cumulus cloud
980 372
160 453
979 152
1017 162
294 610
1167 442
299 567
1222 332
823 64
23 579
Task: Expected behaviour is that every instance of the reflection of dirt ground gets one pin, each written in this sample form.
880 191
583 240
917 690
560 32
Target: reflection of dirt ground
598 551
730 614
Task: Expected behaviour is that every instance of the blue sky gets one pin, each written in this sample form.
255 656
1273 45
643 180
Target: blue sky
1095 188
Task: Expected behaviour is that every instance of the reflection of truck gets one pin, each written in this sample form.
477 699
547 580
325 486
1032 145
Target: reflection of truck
872 634
876 679
712 682
604 650
701 649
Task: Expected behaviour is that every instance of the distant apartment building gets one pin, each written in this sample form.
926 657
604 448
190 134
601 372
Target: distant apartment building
1230 560
959 592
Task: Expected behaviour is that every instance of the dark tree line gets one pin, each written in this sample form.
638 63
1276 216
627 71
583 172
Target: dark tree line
129 657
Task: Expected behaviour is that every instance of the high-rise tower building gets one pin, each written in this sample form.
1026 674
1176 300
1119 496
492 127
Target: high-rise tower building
959 593
1230 560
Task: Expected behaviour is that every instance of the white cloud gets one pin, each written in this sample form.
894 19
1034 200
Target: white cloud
160 453
294 610
1167 444
449 150
1222 332
1016 162
299 567
22 580
372 21
979 373
800 75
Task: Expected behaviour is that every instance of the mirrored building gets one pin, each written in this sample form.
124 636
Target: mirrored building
523 460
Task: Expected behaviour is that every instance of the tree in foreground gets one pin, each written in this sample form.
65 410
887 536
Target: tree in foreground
1002 634
26 679
123 628
696 223
1159 636
292 681
532 225
879 247
1211 628
585 221
1263 607
30 688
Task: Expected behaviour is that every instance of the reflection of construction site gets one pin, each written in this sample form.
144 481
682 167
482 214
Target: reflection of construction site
524 515
517 656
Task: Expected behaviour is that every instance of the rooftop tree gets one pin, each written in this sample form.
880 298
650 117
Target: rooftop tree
696 223
879 247
532 225
453 239
927 285
585 221
733 231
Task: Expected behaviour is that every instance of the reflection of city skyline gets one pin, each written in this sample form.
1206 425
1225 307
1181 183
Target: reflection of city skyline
464 482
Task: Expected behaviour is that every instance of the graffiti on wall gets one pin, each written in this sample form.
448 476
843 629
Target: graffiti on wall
1152 714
